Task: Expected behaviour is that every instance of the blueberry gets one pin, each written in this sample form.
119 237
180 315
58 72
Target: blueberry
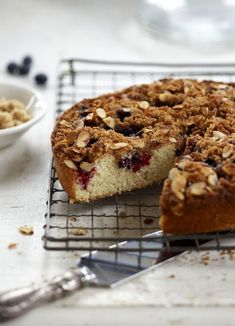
27 61
24 70
13 68
40 79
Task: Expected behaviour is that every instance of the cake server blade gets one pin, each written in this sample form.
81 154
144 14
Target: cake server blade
99 269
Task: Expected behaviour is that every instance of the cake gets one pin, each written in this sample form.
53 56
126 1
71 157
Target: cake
179 131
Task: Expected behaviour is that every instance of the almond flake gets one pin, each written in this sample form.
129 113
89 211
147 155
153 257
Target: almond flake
83 139
218 134
26 230
101 113
110 122
89 116
86 166
64 123
213 179
198 188
173 174
227 151
178 186
70 164
172 140
79 124
118 145
79 232
144 105
165 97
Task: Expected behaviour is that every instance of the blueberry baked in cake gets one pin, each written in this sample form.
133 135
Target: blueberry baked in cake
180 131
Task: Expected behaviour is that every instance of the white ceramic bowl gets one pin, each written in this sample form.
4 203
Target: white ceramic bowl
34 104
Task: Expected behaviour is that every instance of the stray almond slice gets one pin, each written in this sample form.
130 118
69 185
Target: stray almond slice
26 230
227 151
70 164
126 109
213 179
218 134
144 105
86 166
110 122
79 232
198 188
101 113
118 145
83 139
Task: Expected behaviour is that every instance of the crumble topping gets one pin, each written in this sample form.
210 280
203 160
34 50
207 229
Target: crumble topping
198 118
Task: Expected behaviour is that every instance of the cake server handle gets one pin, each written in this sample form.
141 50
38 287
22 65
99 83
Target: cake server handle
14 303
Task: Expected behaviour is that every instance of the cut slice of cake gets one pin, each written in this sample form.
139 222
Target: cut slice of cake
133 138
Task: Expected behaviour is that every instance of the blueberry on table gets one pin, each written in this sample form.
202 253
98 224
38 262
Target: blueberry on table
41 79
24 70
13 68
27 61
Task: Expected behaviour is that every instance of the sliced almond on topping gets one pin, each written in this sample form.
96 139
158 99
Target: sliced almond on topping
118 145
198 189
110 122
126 109
83 139
70 164
86 166
182 164
178 186
227 151
89 116
229 169
213 179
218 134
64 123
79 232
172 140
79 124
165 97
101 113
173 174
144 105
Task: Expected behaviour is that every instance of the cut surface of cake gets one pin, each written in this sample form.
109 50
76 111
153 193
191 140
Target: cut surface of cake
179 130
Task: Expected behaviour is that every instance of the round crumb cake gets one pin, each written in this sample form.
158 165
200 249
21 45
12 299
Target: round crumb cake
180 131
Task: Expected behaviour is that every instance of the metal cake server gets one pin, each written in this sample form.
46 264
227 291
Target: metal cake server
97 269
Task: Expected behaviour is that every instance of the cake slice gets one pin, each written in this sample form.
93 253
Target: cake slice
135 137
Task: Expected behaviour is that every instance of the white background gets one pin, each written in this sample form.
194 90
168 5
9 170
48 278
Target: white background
51 30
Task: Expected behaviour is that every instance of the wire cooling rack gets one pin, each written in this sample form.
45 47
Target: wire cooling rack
108 223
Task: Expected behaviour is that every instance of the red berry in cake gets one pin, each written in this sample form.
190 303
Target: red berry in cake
134 161
85 177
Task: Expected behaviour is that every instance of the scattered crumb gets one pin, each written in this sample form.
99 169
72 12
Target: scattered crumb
12 245
122 214
72 219
172 276
26 230
148 221
79 232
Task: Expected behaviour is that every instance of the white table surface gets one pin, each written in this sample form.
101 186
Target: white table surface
50 30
